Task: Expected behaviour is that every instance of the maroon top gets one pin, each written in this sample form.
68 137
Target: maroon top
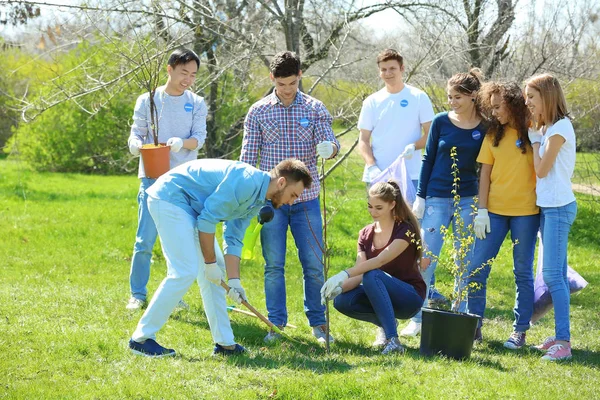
403 267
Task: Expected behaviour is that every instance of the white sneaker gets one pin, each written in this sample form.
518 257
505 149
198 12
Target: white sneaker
380 339
135 304
412 329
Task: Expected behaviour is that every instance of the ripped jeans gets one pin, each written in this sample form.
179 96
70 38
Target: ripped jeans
439 211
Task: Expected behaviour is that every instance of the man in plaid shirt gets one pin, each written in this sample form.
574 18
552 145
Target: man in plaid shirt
290 124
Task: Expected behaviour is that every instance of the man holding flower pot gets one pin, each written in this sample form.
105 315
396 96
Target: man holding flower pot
180 122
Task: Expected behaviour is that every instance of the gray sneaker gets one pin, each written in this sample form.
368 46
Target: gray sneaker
182 305
273 336
135 304
516 340
319 333
393 345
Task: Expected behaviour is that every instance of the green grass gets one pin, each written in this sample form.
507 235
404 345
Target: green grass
587 169
65 248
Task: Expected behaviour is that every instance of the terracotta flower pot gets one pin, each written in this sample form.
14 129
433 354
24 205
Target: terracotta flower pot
155 159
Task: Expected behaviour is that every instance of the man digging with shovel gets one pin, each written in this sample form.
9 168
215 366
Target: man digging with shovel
186 204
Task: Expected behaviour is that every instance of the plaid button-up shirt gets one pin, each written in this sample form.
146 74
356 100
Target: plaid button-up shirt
274 132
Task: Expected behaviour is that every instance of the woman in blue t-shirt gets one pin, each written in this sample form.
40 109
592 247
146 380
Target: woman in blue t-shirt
385 282
462 129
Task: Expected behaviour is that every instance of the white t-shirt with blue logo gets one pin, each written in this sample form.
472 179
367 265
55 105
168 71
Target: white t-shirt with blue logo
555 189
178 116
395 121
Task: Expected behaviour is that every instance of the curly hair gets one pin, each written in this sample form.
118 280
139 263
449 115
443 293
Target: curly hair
514 100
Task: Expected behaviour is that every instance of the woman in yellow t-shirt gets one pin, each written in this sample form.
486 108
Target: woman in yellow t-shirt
507 202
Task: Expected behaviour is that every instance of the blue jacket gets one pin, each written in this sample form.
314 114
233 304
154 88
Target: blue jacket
214 191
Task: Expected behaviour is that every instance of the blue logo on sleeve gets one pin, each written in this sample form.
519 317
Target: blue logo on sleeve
518 143
404 103
476 135
304 122
188 107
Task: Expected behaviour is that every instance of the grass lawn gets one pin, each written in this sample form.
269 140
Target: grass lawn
587 169
65 248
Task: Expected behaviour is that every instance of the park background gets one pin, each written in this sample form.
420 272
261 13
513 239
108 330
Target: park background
69 76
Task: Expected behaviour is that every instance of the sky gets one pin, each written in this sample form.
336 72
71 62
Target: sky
388 18
391 19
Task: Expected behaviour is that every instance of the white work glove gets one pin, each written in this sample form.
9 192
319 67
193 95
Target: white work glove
482 223
535 136
236 291
373 171
333 295
419 207
134 147
409 151
212 273
325 149
333 283
175 143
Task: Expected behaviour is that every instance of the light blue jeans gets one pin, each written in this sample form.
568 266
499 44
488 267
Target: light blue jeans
380 299
523 229
555 225
439 211
185 263
145 237
304 220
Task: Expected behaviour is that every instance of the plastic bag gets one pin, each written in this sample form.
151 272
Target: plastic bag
397 172
542 300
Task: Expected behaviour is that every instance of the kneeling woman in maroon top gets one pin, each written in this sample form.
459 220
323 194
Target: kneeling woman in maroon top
385 282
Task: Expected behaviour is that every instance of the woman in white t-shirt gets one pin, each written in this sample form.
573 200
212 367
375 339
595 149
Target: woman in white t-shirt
553 140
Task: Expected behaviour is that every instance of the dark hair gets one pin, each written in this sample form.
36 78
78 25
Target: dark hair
293 171
390 191
183 56
390 54
469 84
519 116
284 64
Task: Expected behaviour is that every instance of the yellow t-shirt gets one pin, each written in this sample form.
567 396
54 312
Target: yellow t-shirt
512 181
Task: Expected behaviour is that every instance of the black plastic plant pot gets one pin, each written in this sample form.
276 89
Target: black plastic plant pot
447 333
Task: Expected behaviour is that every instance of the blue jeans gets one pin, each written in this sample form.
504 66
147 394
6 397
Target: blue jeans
304 220
145 237
555 225
380 300
439 211
524 230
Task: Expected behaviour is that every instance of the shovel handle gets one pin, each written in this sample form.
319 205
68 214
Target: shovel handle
254 310
239 310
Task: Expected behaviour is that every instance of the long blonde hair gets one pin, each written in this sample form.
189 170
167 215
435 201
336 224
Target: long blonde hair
390 191
554 104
